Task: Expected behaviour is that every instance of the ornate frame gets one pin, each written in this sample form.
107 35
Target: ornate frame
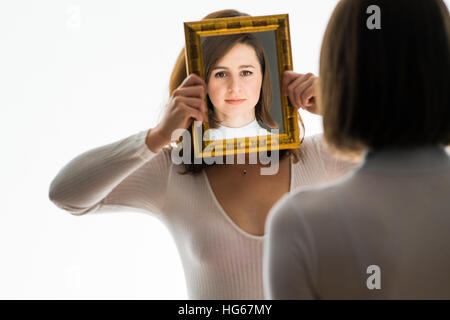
290 139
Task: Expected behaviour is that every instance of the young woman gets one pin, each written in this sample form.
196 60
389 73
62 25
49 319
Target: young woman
216 213
383 232
239 90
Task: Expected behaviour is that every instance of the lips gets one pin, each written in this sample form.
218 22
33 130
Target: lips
235 101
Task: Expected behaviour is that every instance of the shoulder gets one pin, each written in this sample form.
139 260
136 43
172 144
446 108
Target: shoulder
316 145
312 144
309 166
314 148
309 153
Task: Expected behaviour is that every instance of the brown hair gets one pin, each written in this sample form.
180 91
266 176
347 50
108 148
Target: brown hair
386 87
214 48
179 73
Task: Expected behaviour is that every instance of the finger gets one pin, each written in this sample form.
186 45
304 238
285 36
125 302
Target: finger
193 80
288 77
294 87
292 99
300 89
308 95
196 91
196 103
291 91
192 102
194 113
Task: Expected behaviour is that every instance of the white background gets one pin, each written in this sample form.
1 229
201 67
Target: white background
75 75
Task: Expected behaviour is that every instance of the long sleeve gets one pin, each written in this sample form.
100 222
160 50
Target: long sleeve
123 173
288 260
334 166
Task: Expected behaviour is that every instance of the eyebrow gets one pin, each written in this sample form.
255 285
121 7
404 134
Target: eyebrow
240 67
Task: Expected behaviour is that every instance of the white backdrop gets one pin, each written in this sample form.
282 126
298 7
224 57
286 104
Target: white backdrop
75 75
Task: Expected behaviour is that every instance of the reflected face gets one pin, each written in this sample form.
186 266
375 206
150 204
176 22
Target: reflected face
234 84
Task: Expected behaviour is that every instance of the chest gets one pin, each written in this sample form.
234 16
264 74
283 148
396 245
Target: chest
247 198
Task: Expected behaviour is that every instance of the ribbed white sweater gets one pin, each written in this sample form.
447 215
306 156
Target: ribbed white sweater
220 260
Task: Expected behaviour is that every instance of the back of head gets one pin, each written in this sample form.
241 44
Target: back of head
386 87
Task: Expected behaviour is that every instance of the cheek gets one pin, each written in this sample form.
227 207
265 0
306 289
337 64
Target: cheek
255 87
214 89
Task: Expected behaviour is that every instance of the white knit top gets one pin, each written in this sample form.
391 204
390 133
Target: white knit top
220 260
249 130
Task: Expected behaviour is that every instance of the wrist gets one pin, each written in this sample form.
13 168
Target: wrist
154 140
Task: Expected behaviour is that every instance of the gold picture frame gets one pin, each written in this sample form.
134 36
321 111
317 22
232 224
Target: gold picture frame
290 138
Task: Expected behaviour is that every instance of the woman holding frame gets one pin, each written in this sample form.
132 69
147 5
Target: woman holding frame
216 213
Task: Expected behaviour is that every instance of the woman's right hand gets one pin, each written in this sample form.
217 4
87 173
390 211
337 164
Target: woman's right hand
186 104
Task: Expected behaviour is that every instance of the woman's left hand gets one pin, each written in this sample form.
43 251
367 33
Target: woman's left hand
302 90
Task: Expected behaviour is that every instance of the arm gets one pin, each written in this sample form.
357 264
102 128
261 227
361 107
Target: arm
123 173
302 90
288 256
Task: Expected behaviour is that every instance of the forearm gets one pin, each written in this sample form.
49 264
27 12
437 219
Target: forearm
154 140
90 176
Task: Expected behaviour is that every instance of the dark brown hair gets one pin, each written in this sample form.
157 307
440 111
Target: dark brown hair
386 87
179 73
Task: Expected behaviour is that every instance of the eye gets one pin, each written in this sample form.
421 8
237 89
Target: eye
246 73
220 74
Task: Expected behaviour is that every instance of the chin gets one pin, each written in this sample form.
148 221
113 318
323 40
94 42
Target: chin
235 110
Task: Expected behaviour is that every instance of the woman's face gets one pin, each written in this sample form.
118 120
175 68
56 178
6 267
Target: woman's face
234 85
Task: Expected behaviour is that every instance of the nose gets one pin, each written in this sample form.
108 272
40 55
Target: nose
234 85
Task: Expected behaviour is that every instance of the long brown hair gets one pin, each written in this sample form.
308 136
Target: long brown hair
178 75
386 87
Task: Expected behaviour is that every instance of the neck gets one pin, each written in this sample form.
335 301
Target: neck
425 158
236 122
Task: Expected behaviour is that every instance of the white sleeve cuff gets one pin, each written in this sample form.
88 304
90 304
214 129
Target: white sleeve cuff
143 150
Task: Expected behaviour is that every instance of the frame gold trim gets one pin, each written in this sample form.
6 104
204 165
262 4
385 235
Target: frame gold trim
290 139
